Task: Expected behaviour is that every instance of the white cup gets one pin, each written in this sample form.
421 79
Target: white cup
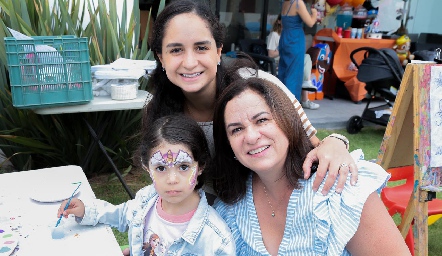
353 32
359 33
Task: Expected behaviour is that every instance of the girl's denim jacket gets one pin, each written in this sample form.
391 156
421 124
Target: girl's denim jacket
206 234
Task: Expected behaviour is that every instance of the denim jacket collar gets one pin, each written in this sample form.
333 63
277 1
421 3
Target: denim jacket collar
198 220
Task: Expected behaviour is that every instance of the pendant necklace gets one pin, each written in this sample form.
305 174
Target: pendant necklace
268 199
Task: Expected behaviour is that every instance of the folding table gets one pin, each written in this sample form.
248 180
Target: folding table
29 201
341 48
102 103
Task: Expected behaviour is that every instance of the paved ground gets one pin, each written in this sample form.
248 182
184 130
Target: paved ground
334 114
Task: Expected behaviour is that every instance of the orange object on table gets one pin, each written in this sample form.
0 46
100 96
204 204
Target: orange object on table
341 48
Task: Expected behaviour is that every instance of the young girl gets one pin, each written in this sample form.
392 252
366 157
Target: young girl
171 215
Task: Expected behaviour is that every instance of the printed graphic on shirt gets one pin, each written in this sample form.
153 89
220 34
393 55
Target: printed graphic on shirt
154 246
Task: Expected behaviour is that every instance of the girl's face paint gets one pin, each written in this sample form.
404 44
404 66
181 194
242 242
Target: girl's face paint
146 168
193 177
173 165
174 172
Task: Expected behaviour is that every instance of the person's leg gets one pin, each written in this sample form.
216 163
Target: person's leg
307 84
304 96
307 67
306 103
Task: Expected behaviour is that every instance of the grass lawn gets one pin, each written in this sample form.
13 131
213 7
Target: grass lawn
369 140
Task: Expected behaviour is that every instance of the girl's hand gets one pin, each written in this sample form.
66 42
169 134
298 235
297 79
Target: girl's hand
314 11
332 156
76 207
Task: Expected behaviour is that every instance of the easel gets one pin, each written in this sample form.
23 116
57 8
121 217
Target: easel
406 143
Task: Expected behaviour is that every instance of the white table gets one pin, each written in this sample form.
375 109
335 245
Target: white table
34 221
102 103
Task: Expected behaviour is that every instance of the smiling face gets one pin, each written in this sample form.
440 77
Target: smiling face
254 136
189 54
174 173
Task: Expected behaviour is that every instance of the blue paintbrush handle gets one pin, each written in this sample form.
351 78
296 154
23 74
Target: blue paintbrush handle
67 205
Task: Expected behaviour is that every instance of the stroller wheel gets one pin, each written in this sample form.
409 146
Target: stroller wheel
354 124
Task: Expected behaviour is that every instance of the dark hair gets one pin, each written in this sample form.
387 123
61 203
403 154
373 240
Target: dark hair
167 97
230 176
176 129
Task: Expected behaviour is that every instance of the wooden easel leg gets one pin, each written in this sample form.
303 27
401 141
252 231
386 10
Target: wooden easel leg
421 225
408 216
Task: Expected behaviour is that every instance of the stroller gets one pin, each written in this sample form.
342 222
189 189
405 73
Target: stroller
382 73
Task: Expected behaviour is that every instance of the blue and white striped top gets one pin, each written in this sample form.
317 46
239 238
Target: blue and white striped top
316 224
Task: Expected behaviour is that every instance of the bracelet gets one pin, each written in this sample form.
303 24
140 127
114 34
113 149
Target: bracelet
339 137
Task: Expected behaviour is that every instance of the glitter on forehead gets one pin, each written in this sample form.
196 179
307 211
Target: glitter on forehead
193 176
183 157
157 159
170 159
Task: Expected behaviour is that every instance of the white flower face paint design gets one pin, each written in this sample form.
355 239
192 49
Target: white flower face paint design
177 164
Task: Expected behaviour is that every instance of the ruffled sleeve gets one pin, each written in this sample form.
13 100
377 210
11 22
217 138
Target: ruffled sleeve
337 216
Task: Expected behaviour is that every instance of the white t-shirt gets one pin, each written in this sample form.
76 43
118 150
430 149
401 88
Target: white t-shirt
273 41
160 233
273 44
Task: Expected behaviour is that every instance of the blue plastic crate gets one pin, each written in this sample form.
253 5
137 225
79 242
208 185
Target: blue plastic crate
49 71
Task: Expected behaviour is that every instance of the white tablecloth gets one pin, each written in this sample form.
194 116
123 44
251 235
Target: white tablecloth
32 222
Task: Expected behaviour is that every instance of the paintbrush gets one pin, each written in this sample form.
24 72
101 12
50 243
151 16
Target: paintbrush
57 233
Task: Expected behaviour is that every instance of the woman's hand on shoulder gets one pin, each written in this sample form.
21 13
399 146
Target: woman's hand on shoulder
334 161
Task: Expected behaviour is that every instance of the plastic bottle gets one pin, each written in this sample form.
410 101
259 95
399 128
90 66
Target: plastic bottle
344 17
359 17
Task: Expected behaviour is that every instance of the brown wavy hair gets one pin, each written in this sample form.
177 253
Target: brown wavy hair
230 176
277 25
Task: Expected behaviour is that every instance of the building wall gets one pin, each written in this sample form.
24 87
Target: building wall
427 16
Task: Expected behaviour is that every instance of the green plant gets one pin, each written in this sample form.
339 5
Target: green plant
35 141
369 140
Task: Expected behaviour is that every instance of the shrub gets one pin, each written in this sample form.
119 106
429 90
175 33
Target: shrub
32 141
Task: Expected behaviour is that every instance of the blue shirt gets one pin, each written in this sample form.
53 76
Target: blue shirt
206 234
315 225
